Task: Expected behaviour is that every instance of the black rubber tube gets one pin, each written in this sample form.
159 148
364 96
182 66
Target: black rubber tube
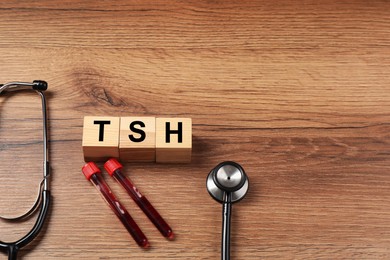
13 252
226 215
13 247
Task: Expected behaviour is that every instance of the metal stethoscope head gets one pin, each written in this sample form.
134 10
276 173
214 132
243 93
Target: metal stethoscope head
43 199
227 183
227 177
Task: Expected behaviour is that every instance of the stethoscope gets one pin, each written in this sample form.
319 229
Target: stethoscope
43 199
227 183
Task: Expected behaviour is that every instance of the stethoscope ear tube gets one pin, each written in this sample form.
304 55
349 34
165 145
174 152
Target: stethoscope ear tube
43 200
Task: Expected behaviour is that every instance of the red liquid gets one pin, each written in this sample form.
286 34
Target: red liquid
120 211
145 205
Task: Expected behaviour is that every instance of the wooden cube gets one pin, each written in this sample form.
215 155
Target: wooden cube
137 140
173 140
100 138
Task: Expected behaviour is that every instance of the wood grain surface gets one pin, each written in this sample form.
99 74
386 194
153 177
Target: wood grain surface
298 92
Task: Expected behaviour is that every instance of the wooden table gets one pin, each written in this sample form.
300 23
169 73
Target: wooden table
298 92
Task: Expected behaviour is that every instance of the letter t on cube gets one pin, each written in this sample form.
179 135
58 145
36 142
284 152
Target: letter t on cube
173 140
100 138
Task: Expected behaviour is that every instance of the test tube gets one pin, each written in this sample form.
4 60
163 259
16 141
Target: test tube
93 174
113 167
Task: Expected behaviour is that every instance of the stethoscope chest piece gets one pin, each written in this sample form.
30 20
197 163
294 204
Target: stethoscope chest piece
227 177
227 183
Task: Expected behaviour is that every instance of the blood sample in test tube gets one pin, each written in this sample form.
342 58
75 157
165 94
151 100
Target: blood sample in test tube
93 174
114 168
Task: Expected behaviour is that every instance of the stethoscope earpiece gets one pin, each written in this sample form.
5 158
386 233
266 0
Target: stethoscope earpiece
227 177
227 183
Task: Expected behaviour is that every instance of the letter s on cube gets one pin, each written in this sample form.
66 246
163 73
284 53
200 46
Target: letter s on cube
137 141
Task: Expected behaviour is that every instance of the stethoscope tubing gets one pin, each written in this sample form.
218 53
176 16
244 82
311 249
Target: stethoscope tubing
226 224
44 200
13 247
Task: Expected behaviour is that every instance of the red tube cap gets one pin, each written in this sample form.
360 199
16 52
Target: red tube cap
90 169
112 165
